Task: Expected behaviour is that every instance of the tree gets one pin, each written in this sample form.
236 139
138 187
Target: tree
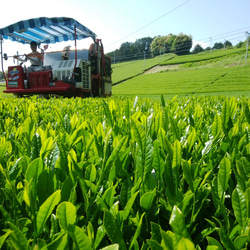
1 75
228 44
125 48
240 44
182 44
162 44
218 46
168 42
132 51
197 49
142 44
157 45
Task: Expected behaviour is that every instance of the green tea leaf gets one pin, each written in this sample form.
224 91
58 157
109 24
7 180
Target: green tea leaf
239 207
54 229
207 148
191 139
163 104
154 245
68 187
46 148
217 125
17 239
80 238
59 243
156 232
138 134
20 166
241 174
45 210
137 232
223 175
174 127
107 113
225 240
168 240
185 244
28 129
165 143
5 214
177 154
158 164
36 146
177 222
76 136
225 115
53 156
247 112
111 247
247 197
241 241
34 170
112 229
170 179
115 152
214 242
187 173
99 236
66 213
46 185
6 147
148 199
127 110
33 173
129 205
4 237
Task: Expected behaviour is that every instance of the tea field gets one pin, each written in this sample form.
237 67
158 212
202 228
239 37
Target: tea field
219 72
122 173
188 82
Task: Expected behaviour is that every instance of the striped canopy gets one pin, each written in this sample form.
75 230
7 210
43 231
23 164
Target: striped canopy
46 30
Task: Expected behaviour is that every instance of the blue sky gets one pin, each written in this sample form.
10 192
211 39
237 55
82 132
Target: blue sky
116 21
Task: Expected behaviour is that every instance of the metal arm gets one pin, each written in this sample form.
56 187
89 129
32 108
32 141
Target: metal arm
2 60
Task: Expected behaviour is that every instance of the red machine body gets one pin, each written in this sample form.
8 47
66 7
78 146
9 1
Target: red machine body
95 71
16 78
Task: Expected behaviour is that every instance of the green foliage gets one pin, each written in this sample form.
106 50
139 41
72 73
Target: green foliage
179 44
125 173
182 44
129 51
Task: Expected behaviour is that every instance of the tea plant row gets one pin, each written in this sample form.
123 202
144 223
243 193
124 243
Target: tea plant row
124 173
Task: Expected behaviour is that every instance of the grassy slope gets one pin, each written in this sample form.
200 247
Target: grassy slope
130 69
206 56
222 74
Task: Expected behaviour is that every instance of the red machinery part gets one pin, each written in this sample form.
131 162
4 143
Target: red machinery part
16 77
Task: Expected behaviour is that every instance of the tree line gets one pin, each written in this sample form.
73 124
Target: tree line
148 47
1 76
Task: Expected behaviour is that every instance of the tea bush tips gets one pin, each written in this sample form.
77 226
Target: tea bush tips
124 173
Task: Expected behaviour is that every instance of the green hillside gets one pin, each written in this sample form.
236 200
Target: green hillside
221 72
127 70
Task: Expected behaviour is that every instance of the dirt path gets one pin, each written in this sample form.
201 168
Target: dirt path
159 68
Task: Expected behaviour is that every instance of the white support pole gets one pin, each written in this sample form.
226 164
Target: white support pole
247 46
